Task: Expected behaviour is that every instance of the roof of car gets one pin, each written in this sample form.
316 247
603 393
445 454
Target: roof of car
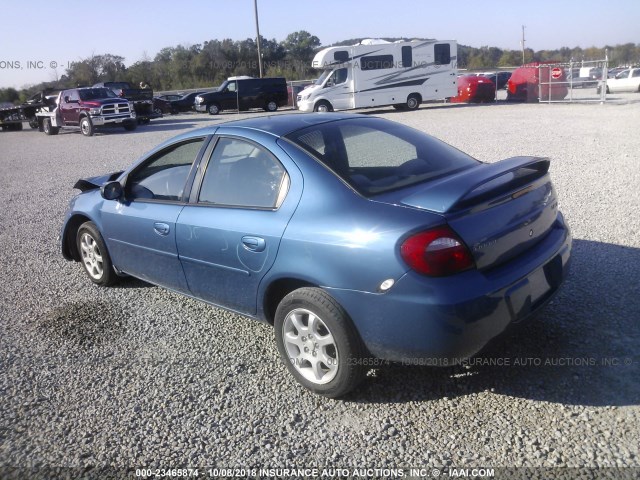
283 124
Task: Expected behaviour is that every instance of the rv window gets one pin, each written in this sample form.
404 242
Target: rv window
442 53
376 62
341 56
407 55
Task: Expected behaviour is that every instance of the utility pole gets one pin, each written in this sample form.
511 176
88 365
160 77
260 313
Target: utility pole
522 43
255 6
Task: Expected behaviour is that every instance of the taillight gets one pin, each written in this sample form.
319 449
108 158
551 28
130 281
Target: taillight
437 252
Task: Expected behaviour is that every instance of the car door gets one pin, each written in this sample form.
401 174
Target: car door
229 234
340 89
621 82
70 110
140 230
229 96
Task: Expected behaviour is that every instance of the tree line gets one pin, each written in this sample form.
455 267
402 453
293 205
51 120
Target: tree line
210 63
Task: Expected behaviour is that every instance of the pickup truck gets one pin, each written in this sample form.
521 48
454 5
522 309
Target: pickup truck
87 109
142 98
625 81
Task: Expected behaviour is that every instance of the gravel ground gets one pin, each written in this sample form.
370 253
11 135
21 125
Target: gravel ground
135 376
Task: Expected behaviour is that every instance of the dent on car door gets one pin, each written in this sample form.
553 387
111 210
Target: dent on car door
140 229
229 234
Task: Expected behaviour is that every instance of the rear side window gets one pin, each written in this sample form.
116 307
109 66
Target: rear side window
243 174
442 53
376 62
375 156
407 56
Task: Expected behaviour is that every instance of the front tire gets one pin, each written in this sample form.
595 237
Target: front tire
130 127
318 342
271 106
323 106
94 255
86 127
213 109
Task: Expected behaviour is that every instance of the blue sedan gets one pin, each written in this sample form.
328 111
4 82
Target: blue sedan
357 238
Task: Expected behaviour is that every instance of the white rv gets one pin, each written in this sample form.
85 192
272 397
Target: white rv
375 73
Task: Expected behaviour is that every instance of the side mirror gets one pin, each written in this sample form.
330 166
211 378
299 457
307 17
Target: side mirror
329 84
111 191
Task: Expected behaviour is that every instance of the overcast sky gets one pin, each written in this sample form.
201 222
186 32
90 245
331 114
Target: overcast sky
39 34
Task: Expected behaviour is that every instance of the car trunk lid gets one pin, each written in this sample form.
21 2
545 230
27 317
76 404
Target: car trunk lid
499 210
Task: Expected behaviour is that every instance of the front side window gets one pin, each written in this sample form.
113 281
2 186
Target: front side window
375 156
337 77
164 177
243 174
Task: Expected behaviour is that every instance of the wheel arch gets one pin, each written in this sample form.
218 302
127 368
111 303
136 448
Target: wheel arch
69 247
276 291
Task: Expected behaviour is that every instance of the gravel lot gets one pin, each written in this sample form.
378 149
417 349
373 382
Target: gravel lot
135 376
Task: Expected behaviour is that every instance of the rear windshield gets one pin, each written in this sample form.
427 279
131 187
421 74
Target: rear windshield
375 156
96 93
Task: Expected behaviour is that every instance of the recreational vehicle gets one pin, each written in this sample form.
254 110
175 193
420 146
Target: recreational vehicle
376 72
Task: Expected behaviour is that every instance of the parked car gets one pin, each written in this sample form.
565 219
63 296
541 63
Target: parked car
524 84
625 81
244 93
355 237
185 103
475 89
501 77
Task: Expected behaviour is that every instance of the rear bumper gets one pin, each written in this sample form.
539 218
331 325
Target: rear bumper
446 319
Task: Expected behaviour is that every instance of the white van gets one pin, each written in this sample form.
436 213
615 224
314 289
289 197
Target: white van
376 72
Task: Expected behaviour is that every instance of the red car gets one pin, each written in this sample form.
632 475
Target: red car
524 84
475 89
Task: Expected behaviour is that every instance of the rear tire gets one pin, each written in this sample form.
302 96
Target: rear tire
48 129
86 127
323 106
94 255
318 343
413 101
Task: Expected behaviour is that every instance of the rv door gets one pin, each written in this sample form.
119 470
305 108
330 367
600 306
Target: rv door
338 89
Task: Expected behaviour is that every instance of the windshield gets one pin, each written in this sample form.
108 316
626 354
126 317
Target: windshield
323 77
96 93
375 156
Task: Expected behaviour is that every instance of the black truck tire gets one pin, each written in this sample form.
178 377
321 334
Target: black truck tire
49 129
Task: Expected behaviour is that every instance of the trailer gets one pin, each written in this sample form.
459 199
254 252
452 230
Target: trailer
12 117
376 73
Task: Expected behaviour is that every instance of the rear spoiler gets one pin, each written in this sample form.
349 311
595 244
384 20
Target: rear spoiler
455 191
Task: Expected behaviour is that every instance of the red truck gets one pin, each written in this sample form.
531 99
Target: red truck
87 109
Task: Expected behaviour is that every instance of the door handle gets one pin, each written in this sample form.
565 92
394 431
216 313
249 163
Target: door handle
255 244
161 228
